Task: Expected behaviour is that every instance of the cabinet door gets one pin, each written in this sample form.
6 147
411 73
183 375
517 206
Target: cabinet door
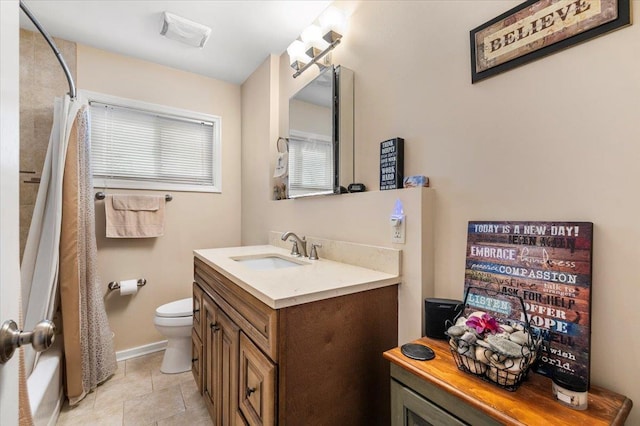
257 391
221 349
410 409
196 359
211 335
197 309
227 368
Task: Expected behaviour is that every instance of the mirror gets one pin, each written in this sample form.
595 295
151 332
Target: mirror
321 135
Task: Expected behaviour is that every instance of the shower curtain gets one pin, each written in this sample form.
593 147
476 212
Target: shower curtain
61 247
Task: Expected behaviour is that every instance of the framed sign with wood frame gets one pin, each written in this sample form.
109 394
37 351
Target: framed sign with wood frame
537 28
547 265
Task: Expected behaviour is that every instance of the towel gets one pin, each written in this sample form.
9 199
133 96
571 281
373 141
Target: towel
134 216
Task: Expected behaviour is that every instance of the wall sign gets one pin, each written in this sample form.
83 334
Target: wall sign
548 265
538 28
391 163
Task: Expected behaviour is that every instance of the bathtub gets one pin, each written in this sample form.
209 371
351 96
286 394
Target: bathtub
44 386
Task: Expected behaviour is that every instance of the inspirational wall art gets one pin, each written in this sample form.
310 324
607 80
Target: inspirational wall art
537 28
548 265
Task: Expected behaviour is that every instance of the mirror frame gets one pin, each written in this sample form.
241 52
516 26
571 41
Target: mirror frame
341 133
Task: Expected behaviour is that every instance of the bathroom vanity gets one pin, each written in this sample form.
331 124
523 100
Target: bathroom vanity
436 392
291 341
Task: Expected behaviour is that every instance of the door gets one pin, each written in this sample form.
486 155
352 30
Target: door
9 212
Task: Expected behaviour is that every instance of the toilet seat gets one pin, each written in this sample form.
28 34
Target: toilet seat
173 321
176 309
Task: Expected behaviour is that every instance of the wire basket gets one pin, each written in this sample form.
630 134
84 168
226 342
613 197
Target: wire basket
487 341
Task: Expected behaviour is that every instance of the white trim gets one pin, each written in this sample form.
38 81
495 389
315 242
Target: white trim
141 350
153 186
9 196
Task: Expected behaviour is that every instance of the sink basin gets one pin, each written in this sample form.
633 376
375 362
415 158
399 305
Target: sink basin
267 261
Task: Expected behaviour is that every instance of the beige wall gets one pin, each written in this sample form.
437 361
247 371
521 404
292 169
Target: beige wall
193 220
556 139
41 80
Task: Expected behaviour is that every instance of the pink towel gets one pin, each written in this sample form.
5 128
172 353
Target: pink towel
134 216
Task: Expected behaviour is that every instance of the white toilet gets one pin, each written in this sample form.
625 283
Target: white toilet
174 321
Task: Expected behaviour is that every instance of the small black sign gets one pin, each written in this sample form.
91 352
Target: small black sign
391 163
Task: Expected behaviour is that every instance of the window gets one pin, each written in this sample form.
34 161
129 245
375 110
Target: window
311 168
145 146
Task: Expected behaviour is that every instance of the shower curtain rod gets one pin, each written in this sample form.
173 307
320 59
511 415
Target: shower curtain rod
52 44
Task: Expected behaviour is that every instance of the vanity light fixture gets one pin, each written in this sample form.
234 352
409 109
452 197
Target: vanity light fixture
316 41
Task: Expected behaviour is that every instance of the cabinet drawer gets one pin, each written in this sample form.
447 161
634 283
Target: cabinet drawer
257 391
255 318
197 310
196 359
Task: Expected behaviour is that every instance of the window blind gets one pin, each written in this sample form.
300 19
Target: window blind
136 145
311 167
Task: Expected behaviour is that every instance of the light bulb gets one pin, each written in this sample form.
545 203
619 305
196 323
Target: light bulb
297 57
312 39
333 19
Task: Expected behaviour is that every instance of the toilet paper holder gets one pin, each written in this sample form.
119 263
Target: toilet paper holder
115 285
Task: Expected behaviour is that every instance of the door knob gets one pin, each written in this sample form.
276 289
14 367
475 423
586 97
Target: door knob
41 338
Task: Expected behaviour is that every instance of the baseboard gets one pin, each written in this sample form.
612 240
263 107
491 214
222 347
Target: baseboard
141 350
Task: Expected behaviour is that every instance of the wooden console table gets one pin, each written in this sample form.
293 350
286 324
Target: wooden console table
436 392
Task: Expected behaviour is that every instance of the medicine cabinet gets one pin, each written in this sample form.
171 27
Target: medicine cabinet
321 152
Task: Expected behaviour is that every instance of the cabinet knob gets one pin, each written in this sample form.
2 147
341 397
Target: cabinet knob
250 391
214 326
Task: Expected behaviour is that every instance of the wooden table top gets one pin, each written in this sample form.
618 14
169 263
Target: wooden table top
531 404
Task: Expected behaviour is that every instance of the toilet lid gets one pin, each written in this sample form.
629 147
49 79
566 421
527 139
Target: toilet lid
178 308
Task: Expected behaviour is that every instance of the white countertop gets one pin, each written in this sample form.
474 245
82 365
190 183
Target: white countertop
278 288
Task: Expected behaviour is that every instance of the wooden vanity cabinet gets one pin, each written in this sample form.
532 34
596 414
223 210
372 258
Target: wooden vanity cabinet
316 363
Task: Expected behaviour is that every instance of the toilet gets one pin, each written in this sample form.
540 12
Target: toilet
174 321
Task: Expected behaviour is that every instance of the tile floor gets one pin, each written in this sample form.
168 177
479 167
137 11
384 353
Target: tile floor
139 394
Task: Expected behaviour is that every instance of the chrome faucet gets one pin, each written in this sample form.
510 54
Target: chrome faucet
296 242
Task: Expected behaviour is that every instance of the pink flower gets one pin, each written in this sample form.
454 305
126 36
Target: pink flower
483 324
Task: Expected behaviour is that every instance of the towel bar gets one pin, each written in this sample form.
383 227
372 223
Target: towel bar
101 196
115 285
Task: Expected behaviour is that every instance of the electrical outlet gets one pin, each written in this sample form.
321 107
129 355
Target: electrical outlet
398 230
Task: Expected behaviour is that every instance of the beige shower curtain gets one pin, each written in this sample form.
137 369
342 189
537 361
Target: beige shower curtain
88 342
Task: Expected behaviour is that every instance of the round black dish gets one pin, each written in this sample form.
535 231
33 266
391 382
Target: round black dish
418 352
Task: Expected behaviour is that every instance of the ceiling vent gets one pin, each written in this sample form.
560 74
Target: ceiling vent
185 31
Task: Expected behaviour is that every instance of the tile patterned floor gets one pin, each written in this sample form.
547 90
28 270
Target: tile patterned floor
139 394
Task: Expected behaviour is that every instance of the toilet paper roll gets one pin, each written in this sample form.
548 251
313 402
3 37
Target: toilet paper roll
128 287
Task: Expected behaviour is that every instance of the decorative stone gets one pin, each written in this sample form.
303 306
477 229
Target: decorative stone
478 314
456 331
453 344
505 346
520 337
483 344
475 367
461 321
483 354
506 328
466 349
515 365
469 337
